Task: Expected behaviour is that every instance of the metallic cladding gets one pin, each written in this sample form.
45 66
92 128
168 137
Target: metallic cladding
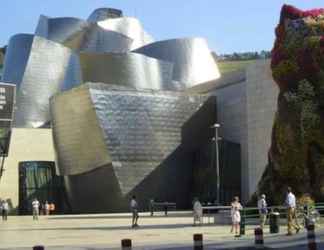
193 62
103 14
128 69
46 72
140 128
68 31
81 35
97 39
73 117
131 128
16 58
129 27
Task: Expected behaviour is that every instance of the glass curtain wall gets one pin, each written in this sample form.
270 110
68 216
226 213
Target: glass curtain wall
37 179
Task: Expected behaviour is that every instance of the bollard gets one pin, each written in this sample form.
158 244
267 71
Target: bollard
311 237
126 244
258 233
38 248
198 241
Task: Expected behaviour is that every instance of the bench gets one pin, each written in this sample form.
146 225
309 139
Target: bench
162 206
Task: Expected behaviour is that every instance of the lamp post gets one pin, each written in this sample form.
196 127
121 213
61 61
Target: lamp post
216 126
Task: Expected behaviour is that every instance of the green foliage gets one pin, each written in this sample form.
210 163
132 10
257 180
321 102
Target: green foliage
304 102
306 200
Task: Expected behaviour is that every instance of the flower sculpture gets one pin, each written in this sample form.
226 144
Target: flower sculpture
296 156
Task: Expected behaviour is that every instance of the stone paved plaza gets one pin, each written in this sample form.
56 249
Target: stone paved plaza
105 231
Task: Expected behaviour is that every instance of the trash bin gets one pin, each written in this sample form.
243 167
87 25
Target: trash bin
274 222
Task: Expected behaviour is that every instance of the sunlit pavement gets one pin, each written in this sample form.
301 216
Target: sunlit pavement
105 231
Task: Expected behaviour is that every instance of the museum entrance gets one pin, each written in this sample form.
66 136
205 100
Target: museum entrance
205 177
37 179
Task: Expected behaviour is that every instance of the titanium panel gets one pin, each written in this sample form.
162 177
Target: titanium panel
129 27
140 129
143 128
193 62
97 39
46 72
78 139
102 14
80 35
131 69
67 31
16 58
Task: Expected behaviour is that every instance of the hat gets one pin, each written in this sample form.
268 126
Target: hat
263 196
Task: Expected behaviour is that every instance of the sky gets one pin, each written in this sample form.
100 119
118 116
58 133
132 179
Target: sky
228 25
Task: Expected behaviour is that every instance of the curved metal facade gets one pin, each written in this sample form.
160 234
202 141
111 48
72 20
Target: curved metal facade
191 57
131 69
102 14
133 134
68 31
16 58
44 75
129 27
81 35
117 117
129 128
73 117
97 39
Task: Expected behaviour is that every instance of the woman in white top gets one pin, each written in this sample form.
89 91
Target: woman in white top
197 211
236 216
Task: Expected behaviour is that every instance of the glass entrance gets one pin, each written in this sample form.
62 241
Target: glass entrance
37 179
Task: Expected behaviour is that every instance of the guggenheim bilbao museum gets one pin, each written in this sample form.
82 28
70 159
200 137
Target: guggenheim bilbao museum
104 112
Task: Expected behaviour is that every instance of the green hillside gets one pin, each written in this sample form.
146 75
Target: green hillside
230 66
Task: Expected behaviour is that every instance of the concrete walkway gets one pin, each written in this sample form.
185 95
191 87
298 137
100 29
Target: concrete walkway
105 231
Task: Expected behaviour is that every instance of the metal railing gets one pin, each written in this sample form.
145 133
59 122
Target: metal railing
251 213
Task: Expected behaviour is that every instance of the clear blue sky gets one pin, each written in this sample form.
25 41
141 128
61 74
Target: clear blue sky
228 25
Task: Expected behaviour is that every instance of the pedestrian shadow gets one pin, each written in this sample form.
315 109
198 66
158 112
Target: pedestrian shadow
108 228
126 216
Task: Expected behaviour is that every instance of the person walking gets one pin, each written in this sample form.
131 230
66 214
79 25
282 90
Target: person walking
263 210
236 216
197 211
47 208
5 209
134 209
151 206
291 212
35 205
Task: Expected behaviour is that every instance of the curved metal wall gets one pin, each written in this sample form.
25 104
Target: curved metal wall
97 39
77 149
81 35
67 31
192 59
16 58
103 14
129 69
129 27
137 144
45 75
132 130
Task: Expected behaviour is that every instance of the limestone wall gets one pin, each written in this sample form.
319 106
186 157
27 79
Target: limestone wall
246 111
27 144
261 103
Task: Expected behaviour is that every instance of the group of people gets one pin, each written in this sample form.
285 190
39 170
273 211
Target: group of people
290 203
47 208
4 207
236 208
